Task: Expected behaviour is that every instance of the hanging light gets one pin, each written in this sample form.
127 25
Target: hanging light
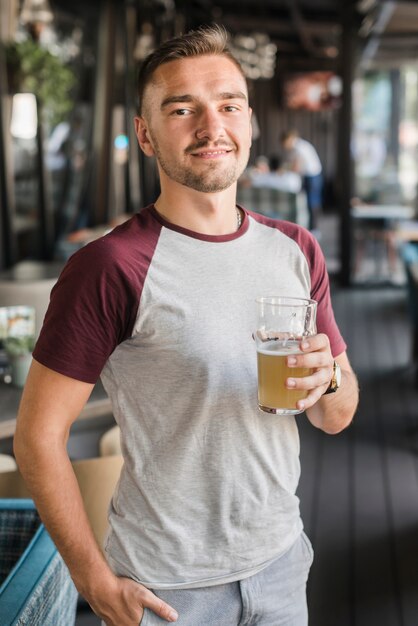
256 54
24 121
36 11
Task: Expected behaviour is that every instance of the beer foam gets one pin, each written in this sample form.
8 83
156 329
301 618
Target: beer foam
280 348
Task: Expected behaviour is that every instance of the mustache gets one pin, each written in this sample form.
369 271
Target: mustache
204 143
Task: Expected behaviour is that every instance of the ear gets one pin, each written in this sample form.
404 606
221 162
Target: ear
251 126
142 134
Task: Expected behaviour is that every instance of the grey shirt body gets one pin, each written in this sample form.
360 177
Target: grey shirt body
207 491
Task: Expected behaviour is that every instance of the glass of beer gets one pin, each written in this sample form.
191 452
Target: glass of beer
282 324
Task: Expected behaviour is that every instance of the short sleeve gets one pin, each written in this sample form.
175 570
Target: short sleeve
92 309
320 291
320 287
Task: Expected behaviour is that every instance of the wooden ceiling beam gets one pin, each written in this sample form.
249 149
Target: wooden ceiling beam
275 26
299 25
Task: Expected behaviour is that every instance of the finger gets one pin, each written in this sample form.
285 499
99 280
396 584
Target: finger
161 608
311 399
316 342
319 378
311 360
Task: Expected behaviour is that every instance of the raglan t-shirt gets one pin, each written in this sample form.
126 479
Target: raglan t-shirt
165 316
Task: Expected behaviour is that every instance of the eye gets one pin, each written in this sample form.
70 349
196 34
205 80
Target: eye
231 108
181 112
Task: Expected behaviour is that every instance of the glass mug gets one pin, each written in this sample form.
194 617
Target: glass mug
282 323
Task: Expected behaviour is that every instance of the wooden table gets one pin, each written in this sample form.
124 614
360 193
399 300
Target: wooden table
379 225
382 212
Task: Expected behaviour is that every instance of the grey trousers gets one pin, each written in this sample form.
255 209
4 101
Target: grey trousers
276 596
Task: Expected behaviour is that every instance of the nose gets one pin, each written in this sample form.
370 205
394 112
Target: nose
210 125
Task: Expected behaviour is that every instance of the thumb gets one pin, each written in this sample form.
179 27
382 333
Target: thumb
161 608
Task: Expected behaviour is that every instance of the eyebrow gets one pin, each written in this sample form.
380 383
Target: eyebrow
225 95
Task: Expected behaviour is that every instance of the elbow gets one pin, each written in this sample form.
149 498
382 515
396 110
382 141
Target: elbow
337 426
18 446
33 449
336 429
21 449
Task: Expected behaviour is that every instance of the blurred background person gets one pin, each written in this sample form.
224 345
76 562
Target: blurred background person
301 157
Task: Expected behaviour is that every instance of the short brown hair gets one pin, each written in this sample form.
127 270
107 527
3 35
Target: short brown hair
289 134
204 40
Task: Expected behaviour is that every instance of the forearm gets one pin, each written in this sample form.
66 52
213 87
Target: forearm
50 478
333 412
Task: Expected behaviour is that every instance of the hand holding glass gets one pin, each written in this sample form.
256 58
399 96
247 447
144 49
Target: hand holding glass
282 324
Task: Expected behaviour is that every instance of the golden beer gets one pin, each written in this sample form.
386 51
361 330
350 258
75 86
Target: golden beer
273 395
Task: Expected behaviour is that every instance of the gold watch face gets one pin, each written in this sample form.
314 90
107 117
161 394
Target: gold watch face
335 380
336 377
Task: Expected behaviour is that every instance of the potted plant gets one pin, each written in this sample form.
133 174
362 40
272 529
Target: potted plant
34 69
19 352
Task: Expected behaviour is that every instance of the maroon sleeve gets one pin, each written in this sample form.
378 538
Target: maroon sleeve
94 304
320 290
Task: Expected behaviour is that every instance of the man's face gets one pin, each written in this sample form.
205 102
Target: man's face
197 122
289 143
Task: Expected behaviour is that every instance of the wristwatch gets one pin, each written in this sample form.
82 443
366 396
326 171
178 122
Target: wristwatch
335 380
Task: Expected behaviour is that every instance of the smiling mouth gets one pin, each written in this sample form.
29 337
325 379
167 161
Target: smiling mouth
211 154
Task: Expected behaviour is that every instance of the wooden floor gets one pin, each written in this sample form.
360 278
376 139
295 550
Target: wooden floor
359 489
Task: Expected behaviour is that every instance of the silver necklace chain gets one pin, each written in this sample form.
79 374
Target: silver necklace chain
239 219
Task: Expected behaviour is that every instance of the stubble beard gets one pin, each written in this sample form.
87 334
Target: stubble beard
211 181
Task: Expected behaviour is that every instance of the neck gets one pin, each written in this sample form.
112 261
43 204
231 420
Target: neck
205 213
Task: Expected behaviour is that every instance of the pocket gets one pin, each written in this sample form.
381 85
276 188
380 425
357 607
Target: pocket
144 620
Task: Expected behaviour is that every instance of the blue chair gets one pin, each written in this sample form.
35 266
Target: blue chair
408 252
35 585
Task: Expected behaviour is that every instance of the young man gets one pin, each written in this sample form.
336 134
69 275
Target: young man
303 159
204 524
